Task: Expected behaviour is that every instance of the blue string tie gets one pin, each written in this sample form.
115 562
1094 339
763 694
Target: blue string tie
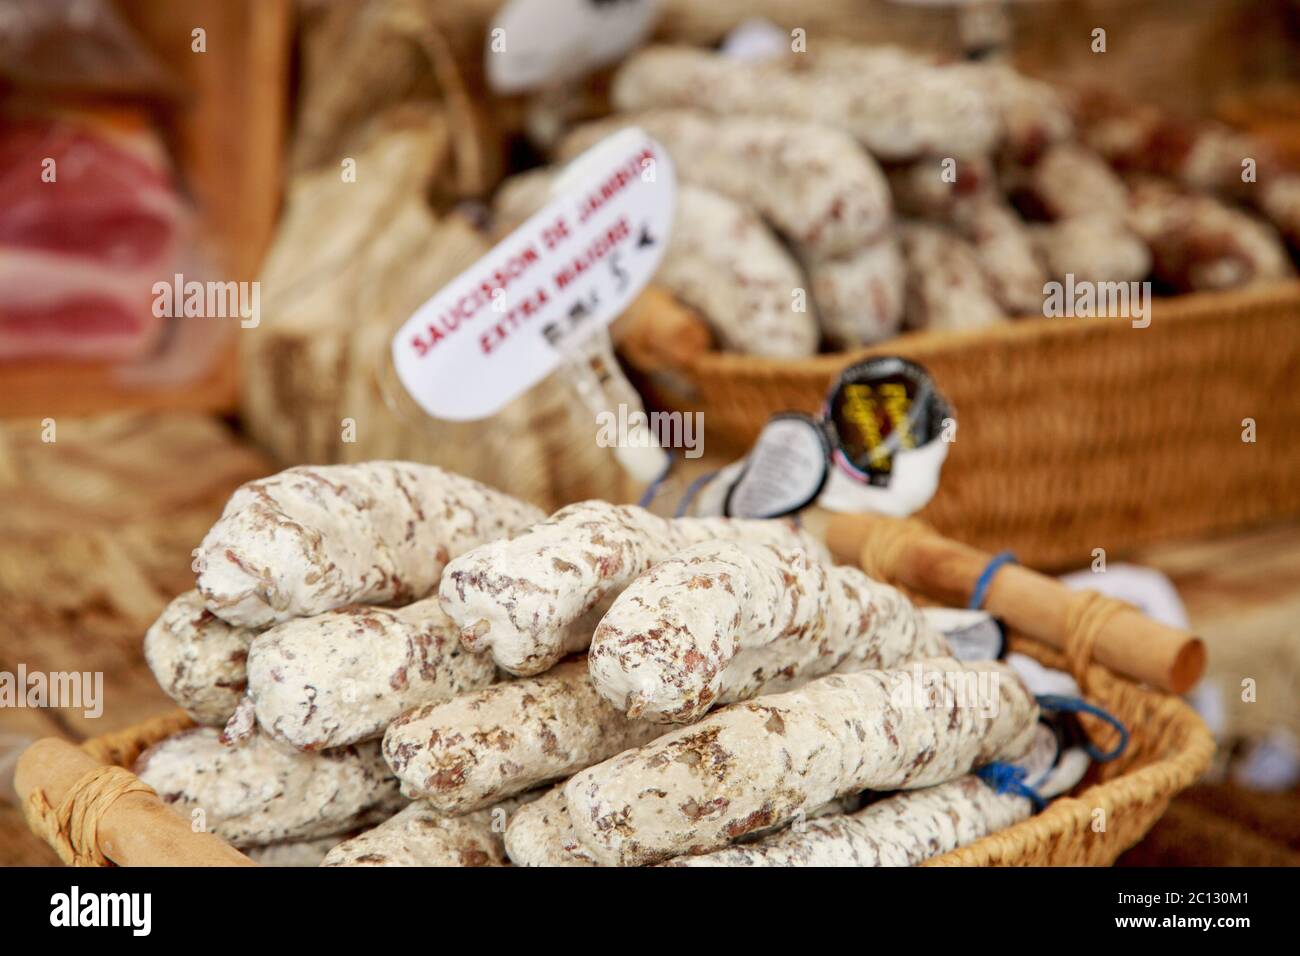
981 589
1008 778
648 496
692 490
1077 705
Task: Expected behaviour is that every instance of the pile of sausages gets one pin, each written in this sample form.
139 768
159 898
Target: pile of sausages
395 666
833 197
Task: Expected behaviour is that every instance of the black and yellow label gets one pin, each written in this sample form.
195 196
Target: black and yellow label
878 408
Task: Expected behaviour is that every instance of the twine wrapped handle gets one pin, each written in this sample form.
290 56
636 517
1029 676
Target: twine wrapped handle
1088 614
81 806
1086 626
72 828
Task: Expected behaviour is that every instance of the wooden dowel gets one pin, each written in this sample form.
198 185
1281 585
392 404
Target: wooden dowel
1130 643
138 829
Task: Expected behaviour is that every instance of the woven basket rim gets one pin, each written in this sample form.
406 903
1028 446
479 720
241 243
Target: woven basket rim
1199 306
1144 790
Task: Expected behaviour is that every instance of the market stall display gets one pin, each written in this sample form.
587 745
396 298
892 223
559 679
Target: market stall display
878 321
454 759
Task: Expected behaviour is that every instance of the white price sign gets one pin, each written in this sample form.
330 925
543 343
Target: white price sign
509 320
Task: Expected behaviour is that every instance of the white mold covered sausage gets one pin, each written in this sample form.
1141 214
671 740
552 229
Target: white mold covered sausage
1199 243
947 287
1069 180
300 853
756 764
198 659
1004 246
258 793
860 296
813 183
897 104
725 261
535 599
541 834
901 830
724 621
910 827
1098 248
421 836
342 677
478 748
314 538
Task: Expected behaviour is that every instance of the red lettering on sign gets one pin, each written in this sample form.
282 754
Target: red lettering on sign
512 320
597 250
618 180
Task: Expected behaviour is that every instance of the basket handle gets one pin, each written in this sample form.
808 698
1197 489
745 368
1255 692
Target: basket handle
94 813
1120 637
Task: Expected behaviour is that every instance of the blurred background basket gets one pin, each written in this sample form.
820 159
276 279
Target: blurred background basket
1073 434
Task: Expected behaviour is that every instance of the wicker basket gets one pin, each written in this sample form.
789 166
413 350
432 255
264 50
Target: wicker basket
1169 748
1073 434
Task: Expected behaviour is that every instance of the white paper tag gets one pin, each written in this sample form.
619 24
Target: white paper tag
509 320
1069 770
537 43
1049 770
784 472
916 479
1042 680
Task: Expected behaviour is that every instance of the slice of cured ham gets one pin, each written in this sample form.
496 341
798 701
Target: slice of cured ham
90 219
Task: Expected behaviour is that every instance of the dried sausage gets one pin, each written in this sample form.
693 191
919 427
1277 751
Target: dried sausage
722 260
421 836
947 289
198 659
755 764
901 830
342 677
1199 243
258 793
897 104
726 620
814 184
314 538
533 600
473 750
